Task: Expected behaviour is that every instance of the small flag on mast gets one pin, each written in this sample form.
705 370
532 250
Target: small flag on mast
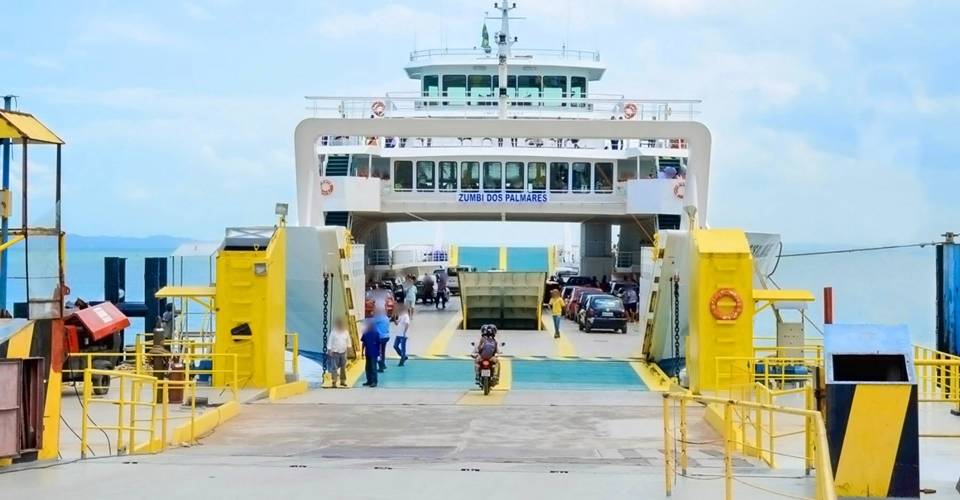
485 43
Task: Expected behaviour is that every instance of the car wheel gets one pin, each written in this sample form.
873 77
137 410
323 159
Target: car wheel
586 328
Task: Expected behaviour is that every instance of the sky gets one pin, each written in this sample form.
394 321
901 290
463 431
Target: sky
832 122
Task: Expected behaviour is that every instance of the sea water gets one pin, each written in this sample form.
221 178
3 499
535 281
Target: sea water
890 286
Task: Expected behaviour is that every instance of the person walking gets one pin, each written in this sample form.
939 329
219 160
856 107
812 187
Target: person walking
371 352
630 302
400 341
556 309
382 324
410 295
337 344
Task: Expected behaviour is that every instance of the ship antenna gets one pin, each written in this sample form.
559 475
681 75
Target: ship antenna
504 44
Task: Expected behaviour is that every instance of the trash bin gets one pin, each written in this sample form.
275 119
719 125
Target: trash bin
871 410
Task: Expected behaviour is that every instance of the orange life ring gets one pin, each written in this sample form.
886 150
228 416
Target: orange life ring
378 108
726 293
679 188
326 187
629 110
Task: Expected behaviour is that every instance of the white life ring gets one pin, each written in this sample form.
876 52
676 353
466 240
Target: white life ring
679 188
378 108
326 187
629 110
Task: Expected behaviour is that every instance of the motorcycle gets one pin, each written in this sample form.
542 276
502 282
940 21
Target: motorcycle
487 371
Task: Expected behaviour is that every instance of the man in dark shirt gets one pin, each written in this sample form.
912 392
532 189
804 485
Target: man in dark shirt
371 351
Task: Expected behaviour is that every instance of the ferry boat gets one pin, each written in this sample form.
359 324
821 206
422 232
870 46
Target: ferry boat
366 180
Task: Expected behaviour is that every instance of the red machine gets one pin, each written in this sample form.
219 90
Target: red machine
93 329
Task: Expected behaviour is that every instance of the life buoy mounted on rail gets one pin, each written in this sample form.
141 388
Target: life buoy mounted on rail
629 110
726 293
326 187
378 108
679 188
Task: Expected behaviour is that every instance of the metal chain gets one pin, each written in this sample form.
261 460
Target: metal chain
326 313
676 325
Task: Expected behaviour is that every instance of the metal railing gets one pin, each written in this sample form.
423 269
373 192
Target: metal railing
533 106
938 375
816 455
516 53
131 402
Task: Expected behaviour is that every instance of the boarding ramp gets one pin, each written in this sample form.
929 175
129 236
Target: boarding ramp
324 280
509 300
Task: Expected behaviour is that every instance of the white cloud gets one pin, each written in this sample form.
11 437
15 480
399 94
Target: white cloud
196 11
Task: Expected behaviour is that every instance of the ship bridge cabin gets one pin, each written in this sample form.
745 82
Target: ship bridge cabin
364 180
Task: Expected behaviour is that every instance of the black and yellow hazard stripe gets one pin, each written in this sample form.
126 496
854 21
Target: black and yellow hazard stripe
37 339
874 442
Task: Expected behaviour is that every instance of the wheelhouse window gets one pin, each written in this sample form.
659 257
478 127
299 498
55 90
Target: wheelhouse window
431 86
578 86
511 85
528 87
426 176
448 176
513 178
492 176
559 177
581 177
603 177
469 176
536 176
480 86
403 176
554 87
455 86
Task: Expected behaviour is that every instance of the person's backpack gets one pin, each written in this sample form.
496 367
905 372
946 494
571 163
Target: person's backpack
488 348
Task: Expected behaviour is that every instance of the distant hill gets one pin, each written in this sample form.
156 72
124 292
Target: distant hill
159 242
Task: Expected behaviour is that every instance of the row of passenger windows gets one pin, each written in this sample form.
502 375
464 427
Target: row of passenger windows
555 177
521 86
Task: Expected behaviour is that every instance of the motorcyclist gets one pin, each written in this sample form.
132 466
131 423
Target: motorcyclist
487 348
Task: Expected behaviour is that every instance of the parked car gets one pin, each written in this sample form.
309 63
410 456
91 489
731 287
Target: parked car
566 292
370 301
453 277
548 287
582 303
604 312
572 304
578 281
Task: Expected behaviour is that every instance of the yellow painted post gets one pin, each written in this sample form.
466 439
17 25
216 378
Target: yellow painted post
667 448
808 430
193 414
132 436
683 436
728 450
85 407
772 434
166 414
120 404
138 354
296 356
758 429
503 258
236 385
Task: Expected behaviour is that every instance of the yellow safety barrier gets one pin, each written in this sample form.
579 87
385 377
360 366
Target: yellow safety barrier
816 456
757 431
938 376
143 365
770 371
130 401
293 343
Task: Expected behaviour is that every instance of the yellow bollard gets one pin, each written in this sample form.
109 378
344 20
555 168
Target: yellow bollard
683 437
85 404
667 449
728 450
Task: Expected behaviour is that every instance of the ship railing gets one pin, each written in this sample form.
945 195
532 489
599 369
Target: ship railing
516 143
516 53
530 106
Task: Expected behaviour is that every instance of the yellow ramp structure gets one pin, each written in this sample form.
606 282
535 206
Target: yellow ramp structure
721 306
509 300
250 297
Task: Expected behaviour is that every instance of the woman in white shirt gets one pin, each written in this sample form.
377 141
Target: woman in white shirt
400 339
337 344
